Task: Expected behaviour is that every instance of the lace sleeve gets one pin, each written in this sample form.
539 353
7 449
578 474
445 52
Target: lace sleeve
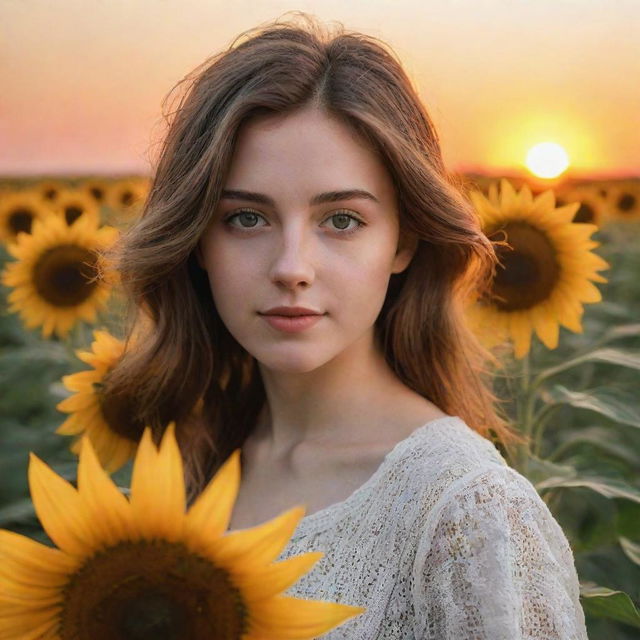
494 564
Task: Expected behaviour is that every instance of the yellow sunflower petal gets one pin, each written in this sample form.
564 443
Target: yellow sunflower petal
26 595
87 356
33 627
508 198
546 326
122 451
586 291
260 544
213 507
520 329
80 381
544 202
526 197
17 551
76 402
60 509
484 207
568 314
153 494
108 509
170 461
274 617
264 582
17 578
566 213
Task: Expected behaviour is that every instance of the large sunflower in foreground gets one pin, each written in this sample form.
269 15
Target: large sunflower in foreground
545 270
109 425
60 276
145 568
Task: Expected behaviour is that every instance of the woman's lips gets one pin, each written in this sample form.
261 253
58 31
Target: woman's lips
292 324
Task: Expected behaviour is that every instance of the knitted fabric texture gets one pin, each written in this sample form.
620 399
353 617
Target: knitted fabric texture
444 541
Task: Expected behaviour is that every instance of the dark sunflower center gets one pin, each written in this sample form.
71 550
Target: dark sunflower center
151 590
64 275
529 269
71 213
585 213
50 193
119 413
20 220
626 202
97 193
153 615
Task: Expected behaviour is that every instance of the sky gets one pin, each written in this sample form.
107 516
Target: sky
83 80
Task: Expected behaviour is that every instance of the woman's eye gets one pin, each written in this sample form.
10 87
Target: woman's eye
248 216
342 221
249 220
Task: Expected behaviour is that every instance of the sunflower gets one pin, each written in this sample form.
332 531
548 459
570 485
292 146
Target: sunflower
592 207
148 568
48 190
95 188
545 268
623 201
127 196
476 182
60 276
18 210
73 203
111 428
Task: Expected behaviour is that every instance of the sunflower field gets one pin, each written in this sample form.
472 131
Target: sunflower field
562 317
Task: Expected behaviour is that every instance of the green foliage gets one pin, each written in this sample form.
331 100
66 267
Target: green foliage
580 404
31 369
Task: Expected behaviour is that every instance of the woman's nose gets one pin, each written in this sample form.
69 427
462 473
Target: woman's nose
292 260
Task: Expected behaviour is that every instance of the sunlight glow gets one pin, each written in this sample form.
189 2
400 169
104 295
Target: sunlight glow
547 160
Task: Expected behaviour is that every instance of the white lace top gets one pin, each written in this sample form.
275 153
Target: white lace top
444 541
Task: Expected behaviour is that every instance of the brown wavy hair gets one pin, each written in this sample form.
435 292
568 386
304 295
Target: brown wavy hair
185 366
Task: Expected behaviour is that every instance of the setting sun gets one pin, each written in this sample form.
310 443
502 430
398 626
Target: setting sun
547 160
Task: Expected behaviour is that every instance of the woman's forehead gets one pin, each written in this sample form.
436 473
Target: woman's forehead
309 150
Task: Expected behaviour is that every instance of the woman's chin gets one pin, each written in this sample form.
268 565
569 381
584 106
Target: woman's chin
291 362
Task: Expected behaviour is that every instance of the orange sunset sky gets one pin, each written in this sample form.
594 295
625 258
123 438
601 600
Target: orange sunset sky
83 80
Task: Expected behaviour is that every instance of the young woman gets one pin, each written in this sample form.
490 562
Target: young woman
298 278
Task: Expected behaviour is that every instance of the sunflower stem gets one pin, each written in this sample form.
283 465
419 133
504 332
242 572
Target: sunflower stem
525 413
539 424
563 448
69 344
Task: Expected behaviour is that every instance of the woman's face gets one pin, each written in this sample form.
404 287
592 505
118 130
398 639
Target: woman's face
290 246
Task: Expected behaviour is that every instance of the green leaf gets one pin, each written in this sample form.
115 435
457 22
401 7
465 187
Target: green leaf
607 487
621 331
627 518
624 358
607 603
47 351
17 512
539 469
600 437
612 403
631 549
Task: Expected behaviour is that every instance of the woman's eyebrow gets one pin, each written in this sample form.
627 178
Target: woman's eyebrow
327 196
